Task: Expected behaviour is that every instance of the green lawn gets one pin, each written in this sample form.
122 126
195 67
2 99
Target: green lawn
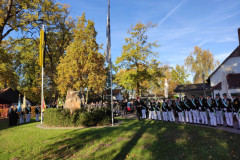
130 140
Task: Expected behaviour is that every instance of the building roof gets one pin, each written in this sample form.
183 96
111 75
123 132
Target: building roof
235 53
9 95
233 80
217 86
192 87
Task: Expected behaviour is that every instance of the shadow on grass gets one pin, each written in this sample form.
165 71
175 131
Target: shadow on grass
4 123
144 140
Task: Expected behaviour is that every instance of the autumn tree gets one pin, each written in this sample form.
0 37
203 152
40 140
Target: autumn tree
179 75
82 68
134 61
201 63
8 76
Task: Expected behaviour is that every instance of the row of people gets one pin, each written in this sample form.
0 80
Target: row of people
19 115
198 110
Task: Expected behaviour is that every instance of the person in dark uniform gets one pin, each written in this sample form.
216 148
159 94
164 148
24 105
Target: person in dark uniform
195 105
188 107
151 110
180 110
15 117
143 104
37 111
212 113
203 109
219 111
227 108
165 110
10 115
236 108
124 107
158 109
138 108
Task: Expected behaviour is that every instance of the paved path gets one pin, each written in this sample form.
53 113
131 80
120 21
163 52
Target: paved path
224 128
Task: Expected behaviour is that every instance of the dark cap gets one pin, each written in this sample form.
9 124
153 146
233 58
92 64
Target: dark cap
224 94
185 96
193 95
233 94
209 95
217 94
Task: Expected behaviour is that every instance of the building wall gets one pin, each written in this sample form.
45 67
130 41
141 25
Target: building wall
232 65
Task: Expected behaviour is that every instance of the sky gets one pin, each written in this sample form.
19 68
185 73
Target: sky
182 24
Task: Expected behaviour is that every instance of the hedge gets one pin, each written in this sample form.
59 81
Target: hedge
59 117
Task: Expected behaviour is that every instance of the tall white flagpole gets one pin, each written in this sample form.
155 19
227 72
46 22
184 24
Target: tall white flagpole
109 59
42 87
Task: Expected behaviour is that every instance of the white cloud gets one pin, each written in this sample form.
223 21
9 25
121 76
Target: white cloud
171 12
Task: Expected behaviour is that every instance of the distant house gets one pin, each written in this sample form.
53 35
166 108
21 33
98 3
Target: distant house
10 96
192 89
117 94
226 78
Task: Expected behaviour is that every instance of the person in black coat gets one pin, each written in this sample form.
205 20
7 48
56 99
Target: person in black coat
179 109
203 109
236 107
227 107
139 108
188 108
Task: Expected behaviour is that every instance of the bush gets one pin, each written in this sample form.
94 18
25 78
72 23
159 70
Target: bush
63 118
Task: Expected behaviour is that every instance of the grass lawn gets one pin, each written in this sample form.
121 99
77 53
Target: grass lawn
130 140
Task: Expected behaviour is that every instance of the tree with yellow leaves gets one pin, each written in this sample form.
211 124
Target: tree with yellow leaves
201 63
134 61
82 68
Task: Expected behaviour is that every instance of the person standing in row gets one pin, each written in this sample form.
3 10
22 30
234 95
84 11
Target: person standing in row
158 109
219 112
143 104
139 109
227 108
212 113
187 106
180 110
236 108
37 111
164 110
195 105
28 113
203 109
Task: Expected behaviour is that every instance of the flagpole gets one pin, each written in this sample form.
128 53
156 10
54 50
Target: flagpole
42 89
111 91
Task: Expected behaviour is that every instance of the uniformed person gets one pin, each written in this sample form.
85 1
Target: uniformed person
165 110
143 104
195 105
227 107
37 111
212 113
180 110
236 107
187 106
158 108
139 109
203 109
219 112
154 113
28 113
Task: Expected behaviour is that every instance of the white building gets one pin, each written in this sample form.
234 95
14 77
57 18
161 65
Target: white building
226 78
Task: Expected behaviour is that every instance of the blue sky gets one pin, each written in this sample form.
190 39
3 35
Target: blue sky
182 24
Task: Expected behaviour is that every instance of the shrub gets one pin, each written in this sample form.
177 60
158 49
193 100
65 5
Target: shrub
80 117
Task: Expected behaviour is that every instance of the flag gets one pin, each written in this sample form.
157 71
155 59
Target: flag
24 102
60 102
19 104
41 49
43 105
108 57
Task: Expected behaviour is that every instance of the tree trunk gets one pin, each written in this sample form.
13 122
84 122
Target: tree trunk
87 97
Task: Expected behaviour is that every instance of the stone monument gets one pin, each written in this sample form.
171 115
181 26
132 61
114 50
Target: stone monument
74 100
